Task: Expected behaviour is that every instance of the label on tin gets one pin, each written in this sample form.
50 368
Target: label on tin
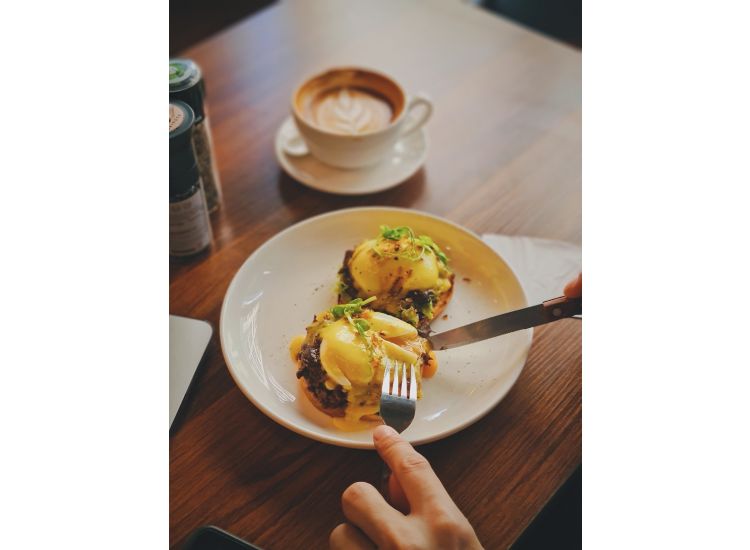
189 226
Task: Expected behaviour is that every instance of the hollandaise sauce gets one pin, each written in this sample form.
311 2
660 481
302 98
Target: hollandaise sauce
394 267
354 360
376 274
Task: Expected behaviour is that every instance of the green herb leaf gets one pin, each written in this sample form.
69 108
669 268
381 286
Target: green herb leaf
407 250
362 326
427 242
396 233
412 250
355 306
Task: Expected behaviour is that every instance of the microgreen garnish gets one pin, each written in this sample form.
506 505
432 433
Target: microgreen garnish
426 241
355 306
412 250
396 233
360 325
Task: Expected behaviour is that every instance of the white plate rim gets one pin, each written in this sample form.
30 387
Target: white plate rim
340 441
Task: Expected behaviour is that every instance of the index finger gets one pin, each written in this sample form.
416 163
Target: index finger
419 482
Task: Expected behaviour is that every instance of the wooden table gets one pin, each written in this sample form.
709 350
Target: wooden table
505 156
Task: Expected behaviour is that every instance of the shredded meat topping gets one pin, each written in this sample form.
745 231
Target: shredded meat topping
311 369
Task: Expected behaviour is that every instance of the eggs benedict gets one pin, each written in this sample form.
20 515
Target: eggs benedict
409 274
341 360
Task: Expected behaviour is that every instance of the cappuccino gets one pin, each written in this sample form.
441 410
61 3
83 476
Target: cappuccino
348 110
351 117
350 101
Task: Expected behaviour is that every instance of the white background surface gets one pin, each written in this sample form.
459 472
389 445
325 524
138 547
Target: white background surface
85 350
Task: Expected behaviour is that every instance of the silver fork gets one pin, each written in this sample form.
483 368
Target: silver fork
397 405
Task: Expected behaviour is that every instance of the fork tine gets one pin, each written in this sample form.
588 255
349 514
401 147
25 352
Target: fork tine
396 377
413 383
398 403
387 378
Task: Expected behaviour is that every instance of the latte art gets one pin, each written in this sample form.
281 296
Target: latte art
349 110
352 117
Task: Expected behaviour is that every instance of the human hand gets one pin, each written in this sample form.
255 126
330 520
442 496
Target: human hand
428 517
574 289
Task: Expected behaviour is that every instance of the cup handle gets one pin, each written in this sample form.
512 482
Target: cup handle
292 142
415 123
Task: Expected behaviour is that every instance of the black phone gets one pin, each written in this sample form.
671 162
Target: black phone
209 537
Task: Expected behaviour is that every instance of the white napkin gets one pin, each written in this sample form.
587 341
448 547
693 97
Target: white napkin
543 266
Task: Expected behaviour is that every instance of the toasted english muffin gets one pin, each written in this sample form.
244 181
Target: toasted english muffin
341 360
408 275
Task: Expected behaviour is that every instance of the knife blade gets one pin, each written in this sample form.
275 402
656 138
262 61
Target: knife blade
540 314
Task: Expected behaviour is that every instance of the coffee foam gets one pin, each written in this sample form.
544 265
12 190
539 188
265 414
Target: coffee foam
349 101
349 111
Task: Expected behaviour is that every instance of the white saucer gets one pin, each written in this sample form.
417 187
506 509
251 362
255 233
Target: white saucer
408 156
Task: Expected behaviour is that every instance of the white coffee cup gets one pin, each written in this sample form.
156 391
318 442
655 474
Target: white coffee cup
351 117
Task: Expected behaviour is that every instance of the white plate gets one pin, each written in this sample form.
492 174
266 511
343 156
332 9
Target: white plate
279 288
407 157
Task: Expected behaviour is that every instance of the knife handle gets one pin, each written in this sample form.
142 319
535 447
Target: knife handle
562 307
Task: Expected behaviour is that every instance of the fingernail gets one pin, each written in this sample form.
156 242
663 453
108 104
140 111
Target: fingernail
381 432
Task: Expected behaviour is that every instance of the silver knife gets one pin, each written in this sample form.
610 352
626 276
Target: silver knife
546 312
